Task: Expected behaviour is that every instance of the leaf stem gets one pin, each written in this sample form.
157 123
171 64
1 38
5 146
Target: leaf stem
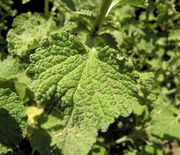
98 21
33 151
120 140
100 18
46 8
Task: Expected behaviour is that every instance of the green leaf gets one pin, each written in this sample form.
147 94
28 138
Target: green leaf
174 35
51 136
12 122
5 11
40 137
75 141
69 4
12 71
40 140
141 110
5 6
108 39
138 3
28 29
165 121
145 82
63 5
92 87
84 12
11 68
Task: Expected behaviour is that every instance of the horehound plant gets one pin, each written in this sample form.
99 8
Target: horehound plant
69 72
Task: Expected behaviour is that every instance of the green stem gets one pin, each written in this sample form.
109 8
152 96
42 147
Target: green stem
98 22
150 6
171 91
46 8
100 18
120 140
33 151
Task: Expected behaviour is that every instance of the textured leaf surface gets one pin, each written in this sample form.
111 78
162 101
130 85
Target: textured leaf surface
10 68
51 136
12 124
92 87
28 30
165 121
76 141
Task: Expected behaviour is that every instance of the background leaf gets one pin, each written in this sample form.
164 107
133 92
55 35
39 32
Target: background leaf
12 120
138 3
28 29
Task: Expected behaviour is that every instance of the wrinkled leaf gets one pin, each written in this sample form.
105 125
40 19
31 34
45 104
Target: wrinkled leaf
28 29
12 122
92 87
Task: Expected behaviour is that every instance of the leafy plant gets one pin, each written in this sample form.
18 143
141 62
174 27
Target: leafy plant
90 77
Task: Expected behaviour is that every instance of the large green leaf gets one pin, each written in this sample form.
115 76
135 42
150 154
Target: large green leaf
93 88
12 122
28 29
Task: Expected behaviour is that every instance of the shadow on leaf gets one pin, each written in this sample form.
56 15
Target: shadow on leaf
10 131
